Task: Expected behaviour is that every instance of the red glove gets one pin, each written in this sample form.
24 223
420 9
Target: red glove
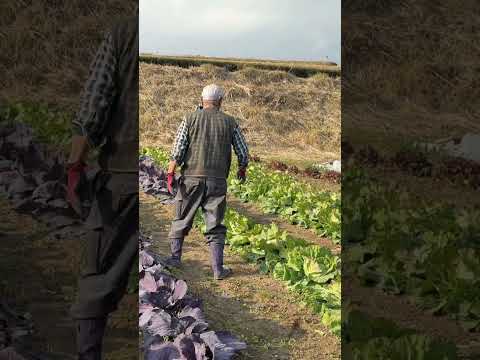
74 174
170 180
242 174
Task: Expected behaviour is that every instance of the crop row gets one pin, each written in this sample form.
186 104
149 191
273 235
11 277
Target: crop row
281 194
405 246
366 337
418 161
311 271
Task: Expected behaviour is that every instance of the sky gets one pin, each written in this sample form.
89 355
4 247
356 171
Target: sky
264 29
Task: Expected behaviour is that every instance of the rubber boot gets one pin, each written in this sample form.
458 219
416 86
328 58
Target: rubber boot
90 338
176 248
216 254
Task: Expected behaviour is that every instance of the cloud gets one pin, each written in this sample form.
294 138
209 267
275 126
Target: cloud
285 29
230 21
172 17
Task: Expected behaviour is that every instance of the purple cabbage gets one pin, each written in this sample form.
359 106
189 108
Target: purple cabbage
172 322
33 176
222 344
164 351
153 180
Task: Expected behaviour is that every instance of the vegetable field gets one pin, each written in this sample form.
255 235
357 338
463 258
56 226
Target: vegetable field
311 272
421 255
426 250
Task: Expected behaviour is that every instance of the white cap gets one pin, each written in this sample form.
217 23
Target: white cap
212 93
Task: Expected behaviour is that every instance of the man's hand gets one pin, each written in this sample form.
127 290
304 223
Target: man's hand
172 165
242 174
75 171
170 181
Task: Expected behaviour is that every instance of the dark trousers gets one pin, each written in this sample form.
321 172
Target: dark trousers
109 252
110 248
208 194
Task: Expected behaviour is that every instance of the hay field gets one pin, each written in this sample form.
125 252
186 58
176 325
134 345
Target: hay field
46 47
410 69
283 116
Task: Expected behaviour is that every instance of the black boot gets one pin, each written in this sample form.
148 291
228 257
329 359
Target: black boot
176 248
216 254
90 338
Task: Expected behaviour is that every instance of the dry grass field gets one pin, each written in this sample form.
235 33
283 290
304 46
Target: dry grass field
283 116
410 69
46 47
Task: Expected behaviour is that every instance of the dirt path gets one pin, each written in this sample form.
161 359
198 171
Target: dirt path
252 211
403 312
38 272
251 305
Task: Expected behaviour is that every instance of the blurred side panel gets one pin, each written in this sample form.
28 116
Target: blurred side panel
411 155
68 102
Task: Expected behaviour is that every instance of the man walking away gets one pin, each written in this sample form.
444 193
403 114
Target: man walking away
108 119
203 147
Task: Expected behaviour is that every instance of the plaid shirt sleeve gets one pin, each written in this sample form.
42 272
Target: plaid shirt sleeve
98 94
181 143
240 147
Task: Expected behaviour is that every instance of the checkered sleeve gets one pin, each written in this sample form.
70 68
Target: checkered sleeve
240 147
97 96
180 145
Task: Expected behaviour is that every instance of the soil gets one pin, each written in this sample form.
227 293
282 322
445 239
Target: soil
430 190
39 278
320 184
253 306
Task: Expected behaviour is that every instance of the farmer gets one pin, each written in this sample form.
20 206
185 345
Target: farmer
203 147
108 120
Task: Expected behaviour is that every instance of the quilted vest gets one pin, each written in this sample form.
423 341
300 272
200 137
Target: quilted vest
209 152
